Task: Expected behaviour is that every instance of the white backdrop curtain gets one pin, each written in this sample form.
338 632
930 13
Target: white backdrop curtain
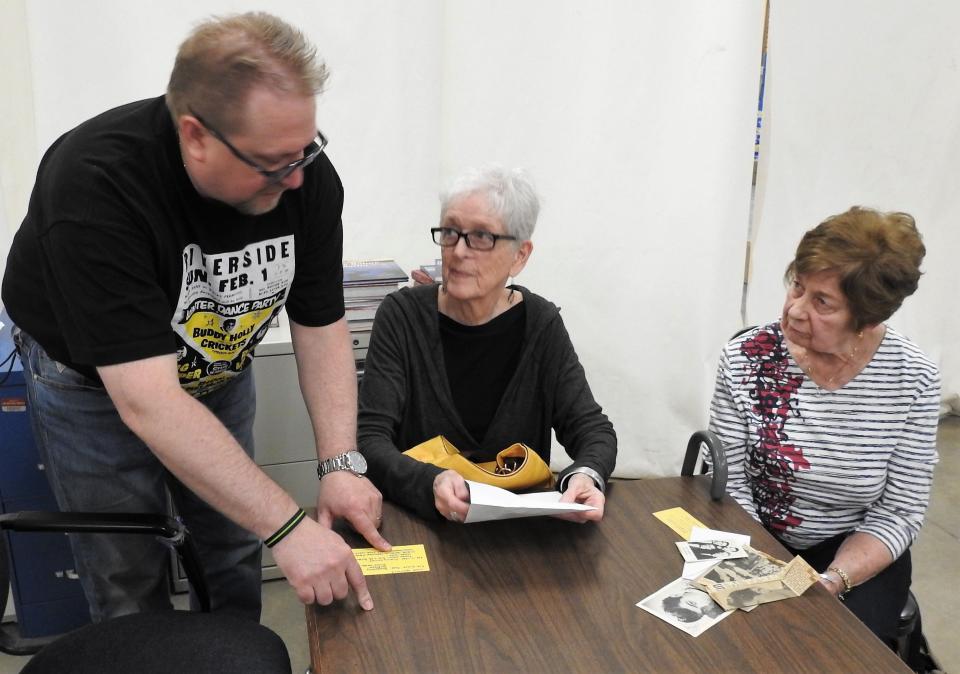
863 103
637 121
18 152
635 118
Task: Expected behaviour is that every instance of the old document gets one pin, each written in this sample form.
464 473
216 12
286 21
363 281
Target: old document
756 579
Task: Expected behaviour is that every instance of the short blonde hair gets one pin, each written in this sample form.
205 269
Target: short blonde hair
876 254
223 58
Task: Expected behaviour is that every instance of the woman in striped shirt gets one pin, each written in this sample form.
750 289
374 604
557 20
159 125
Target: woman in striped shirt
829 417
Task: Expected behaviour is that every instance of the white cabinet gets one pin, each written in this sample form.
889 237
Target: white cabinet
282 433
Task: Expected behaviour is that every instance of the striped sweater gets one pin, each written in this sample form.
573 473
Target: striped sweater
810 463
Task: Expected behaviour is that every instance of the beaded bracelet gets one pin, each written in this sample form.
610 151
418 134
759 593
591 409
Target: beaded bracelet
280 533
847 585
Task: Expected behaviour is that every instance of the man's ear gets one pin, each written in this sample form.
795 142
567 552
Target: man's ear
194 138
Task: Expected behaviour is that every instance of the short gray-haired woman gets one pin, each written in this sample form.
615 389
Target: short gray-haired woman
480 362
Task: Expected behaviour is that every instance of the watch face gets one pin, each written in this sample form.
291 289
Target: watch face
357 462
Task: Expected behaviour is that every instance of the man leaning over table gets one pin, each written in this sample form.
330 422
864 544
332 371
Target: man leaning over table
161 238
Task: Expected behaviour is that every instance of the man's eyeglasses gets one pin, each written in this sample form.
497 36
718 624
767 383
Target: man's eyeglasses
479 240
311 152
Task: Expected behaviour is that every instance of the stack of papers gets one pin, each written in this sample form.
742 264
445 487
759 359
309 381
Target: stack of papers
493 503
722 573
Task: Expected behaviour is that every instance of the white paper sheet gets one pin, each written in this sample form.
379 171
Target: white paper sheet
693 570
492 503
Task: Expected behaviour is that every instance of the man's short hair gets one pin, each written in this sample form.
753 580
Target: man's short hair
224 57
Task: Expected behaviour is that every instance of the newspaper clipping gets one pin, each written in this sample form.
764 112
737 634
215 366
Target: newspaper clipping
756 579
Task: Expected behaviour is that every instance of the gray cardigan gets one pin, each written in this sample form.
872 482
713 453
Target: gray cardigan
405 398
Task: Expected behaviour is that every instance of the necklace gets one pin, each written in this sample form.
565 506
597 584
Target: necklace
848 359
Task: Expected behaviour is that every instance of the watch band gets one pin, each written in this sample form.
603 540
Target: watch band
353 461
589 472
331 465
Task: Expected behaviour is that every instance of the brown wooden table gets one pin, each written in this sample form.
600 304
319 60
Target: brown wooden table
545 595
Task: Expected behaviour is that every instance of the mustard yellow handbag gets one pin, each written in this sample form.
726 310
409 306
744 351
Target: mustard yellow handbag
516 468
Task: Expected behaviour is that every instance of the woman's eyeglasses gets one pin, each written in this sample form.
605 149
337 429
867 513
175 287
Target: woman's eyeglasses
447 237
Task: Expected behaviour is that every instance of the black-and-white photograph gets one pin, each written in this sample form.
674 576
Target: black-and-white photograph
700 551
753 566
685 606
749 597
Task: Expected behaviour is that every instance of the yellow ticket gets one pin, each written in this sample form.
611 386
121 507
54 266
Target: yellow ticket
401 559
679 520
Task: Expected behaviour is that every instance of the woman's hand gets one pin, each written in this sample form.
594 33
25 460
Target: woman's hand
421 278
451 496
581 489
832 582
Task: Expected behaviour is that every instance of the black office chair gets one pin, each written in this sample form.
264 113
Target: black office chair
906 626
911 645
693 461
157 642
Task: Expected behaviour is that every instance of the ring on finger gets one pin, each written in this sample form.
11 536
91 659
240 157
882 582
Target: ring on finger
454 517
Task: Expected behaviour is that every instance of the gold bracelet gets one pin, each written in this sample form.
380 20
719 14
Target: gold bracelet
847 585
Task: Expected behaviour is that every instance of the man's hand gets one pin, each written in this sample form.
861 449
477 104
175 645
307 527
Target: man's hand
451 495
343 494
581 489
320 565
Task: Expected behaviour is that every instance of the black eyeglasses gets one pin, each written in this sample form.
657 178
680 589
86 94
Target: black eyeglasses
311 152
479 240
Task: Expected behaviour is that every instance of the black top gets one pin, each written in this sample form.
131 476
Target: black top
480 359
406 398
119 258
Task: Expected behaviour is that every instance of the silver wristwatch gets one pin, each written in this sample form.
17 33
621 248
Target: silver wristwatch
352 461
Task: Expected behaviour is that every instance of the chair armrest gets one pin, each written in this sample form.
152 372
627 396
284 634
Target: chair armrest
718 461
111 523
171 532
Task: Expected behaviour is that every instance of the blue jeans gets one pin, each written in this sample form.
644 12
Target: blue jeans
94 463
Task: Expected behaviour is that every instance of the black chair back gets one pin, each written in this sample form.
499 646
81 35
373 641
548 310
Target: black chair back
718 461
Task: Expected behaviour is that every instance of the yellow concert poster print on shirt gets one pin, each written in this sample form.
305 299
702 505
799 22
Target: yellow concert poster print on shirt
224 309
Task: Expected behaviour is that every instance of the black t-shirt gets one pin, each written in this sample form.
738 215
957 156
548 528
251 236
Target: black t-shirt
480 360
120 258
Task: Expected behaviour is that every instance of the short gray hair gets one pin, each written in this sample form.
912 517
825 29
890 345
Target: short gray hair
509 192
